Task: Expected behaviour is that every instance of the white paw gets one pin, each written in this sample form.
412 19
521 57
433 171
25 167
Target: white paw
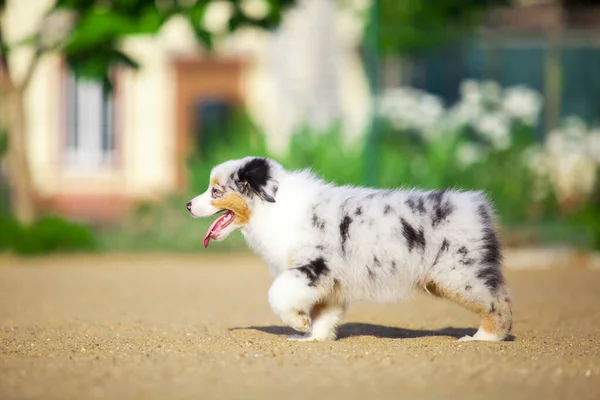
302 338
297 321
482 336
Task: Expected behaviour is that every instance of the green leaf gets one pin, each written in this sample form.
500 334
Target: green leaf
195 18
98 27
118 57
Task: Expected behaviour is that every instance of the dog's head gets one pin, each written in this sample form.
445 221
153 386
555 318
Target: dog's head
236 188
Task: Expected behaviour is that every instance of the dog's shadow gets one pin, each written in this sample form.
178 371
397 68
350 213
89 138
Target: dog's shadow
379 331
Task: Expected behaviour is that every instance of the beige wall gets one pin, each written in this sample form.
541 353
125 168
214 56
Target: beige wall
146 102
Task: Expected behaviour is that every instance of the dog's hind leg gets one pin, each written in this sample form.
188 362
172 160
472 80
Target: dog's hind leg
488 298
300 294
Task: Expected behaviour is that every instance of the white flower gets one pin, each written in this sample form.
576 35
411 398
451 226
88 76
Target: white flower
407 108
574 176
431 109
470 153
593 144
523 104
490 92
217 15
495 127
574 128
470 92
256 9
570 159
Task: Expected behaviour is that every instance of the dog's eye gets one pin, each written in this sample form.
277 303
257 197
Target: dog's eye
216 192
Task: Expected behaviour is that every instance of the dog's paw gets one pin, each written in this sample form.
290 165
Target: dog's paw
298 321
302 338
481 336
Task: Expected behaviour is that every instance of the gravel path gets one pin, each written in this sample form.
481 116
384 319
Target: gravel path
199 327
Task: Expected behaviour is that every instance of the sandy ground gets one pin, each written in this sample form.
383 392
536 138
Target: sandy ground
170 327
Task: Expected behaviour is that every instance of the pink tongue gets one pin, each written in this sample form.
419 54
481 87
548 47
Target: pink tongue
217 226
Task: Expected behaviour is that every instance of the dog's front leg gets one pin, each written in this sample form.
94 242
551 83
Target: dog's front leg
306 303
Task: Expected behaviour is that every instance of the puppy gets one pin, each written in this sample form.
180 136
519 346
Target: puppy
327 245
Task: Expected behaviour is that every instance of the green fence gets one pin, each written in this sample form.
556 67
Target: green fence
518 61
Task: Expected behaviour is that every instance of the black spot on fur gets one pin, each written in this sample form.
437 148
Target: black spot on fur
441 209
314 270
256 173
320 247
467 261
436 195
463 251
491 248
413 237
387 209
491 251
491 276
492 308
443 248
344 231
372 274
468 288
394 266
416 204
318 223
484 214
376 261
358 211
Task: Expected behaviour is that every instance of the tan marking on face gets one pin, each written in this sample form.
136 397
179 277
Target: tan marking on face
214 181
236 203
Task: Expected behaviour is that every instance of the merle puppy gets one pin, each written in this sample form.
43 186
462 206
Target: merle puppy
327 245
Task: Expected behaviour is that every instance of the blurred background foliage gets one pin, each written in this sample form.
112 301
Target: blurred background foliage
545 191
405 27
92 47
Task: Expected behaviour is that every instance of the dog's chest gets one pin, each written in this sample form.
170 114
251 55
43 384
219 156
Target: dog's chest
272 236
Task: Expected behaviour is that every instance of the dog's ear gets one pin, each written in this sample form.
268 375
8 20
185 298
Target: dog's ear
255 177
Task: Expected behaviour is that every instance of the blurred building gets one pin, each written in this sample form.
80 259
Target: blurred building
92 157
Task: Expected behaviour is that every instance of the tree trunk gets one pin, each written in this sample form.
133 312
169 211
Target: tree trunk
22 197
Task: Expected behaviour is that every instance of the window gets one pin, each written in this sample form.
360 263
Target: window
90 125
211 123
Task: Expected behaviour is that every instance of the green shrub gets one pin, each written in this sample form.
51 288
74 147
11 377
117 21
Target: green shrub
10 233
47 235
164 226
3 143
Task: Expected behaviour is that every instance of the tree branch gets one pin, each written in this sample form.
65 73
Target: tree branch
31 68
3 53
5 79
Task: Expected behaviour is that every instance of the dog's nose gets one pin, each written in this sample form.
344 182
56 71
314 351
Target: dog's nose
189 206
